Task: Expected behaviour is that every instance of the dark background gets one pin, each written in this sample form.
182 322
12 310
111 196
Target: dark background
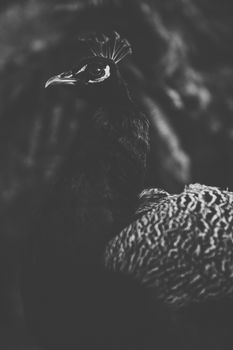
180 75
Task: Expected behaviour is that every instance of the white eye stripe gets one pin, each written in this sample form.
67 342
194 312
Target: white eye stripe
69 76
105 76
82 69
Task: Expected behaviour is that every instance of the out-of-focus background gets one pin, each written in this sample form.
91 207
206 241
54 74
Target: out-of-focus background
180 74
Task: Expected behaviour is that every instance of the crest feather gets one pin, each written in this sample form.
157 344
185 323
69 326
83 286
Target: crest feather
112 47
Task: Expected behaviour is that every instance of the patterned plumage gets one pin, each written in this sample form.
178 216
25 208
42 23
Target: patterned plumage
180 244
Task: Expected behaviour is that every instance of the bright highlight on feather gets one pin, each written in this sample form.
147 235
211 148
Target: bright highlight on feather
113 47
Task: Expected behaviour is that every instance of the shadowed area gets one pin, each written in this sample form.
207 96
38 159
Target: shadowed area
180 76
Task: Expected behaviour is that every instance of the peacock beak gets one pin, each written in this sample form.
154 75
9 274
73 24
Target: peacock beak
63 78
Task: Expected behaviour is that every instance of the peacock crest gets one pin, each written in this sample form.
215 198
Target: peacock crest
112 47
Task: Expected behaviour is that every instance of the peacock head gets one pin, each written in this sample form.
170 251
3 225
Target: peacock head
98 73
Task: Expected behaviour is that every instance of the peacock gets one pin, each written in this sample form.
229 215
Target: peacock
67 292
84 283
180 244
184 88
179 248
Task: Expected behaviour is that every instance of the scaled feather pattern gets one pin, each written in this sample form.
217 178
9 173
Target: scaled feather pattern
181 245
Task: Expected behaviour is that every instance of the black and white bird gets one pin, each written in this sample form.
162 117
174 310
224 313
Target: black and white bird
179 244
68 294
72 297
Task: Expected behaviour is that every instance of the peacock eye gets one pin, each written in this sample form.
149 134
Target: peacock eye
96 71
98 74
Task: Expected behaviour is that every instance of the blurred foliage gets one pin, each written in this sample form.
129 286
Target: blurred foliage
180 75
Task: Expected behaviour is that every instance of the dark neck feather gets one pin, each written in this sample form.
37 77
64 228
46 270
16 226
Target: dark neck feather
100 182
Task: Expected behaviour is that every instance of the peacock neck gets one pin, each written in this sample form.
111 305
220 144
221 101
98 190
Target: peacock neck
97 190
108 167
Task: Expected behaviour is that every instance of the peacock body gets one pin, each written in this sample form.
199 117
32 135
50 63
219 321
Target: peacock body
173 245
67 292
181 245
